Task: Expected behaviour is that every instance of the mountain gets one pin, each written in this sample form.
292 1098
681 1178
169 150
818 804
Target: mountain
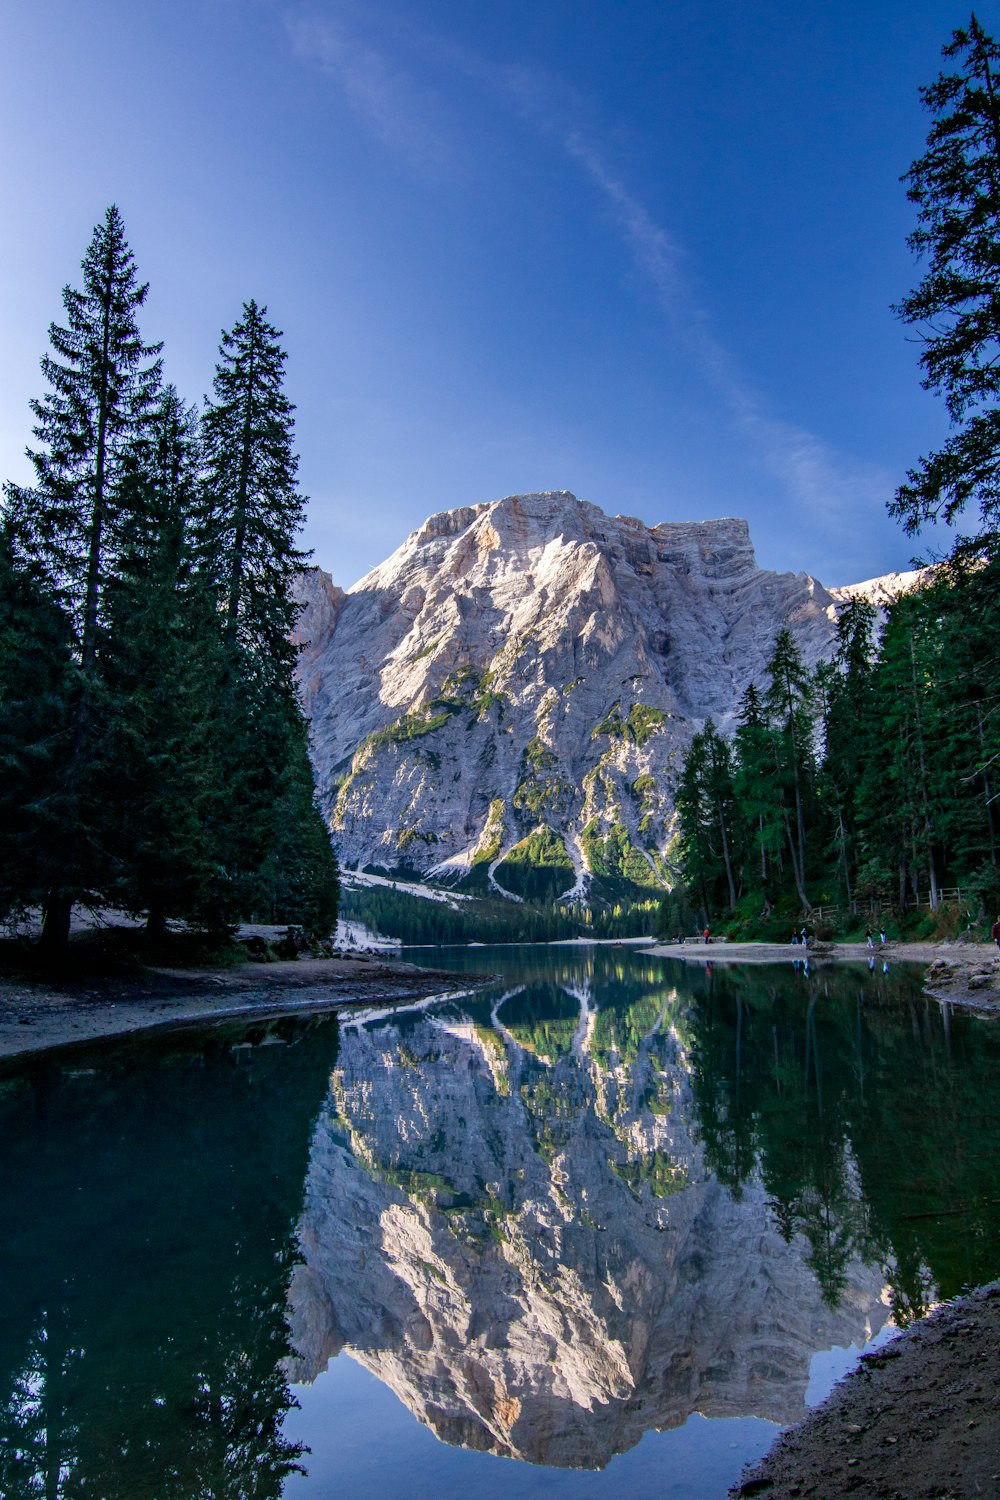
514 1228
509 697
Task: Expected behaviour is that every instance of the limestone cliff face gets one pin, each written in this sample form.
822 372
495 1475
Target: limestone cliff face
533 662
514 1228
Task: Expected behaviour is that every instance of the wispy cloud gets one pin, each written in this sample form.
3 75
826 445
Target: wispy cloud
801 461
411 120
403 114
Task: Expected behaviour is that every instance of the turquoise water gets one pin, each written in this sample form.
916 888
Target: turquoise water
603 1227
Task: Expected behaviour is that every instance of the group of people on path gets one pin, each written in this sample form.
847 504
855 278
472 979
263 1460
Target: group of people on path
802 936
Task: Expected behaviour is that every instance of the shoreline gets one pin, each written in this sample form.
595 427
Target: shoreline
39 1016
966 974
901 1400
916 1417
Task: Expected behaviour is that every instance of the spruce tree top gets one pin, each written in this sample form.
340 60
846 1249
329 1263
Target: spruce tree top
103 382
254 509
956 306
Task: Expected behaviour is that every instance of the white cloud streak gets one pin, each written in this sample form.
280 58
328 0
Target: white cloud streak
410 121
798 459
399 112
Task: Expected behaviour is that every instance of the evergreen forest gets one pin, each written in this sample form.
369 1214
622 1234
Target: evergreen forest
153 754
871 784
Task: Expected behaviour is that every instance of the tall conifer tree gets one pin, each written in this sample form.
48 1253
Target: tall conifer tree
161 667
103 381
273 847
254 510
956 307
39 683
790 710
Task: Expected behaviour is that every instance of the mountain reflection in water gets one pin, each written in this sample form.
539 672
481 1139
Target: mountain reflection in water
552 1217
623 1191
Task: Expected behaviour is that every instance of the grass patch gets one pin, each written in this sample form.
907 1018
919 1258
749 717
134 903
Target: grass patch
538 868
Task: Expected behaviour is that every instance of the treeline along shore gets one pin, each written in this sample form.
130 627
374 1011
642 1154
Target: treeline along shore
874 784
863 794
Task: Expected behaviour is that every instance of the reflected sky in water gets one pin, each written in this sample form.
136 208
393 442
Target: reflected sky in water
593 1227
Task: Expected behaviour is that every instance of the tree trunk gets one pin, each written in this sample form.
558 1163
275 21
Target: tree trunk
924 799
91 605
55 922
243 491
842 842
726 856
796 871
156 920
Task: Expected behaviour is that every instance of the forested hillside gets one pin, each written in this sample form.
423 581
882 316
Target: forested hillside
874 782
869 783
153 754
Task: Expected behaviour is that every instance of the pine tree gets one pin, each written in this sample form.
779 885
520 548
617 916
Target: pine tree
719 785
845 686
758 792
707 807
694 807
161 666
254 510
273 851
39 685
789 707
956 306
103 381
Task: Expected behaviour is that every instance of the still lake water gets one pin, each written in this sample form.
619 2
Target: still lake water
597 1230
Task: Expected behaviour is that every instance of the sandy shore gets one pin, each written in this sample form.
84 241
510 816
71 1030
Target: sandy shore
37 1016
966 974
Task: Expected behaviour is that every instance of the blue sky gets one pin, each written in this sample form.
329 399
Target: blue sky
642 250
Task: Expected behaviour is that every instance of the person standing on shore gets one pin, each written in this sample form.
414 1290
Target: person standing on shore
995 932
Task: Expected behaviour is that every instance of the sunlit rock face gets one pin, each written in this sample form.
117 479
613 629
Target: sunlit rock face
514 1229
526 662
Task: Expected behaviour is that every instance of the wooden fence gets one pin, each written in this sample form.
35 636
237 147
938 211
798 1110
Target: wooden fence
946 895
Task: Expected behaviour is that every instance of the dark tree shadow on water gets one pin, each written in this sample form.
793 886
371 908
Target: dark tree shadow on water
149 1198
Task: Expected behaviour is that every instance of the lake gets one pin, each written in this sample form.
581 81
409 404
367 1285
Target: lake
602 1228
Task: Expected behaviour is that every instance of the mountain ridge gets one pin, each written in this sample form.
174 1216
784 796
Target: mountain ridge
517 683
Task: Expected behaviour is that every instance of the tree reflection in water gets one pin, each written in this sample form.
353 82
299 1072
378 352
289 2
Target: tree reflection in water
567 1187
871 1114
149 1201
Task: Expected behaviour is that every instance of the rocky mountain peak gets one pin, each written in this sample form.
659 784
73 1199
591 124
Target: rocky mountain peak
529 672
